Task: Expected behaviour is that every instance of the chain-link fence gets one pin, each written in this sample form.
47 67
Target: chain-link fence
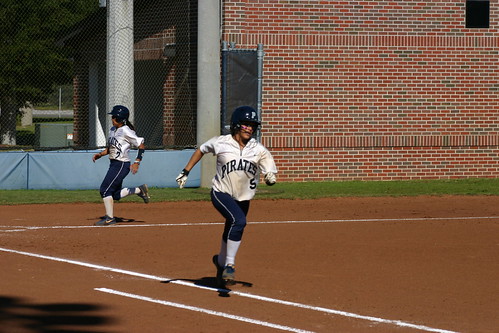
53 77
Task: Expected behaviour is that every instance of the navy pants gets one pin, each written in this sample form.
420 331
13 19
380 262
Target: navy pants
112 183
234 212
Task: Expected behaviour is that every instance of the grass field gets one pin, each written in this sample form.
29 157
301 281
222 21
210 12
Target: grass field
305 190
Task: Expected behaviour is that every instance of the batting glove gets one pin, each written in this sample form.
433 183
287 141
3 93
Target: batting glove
182 178
270 179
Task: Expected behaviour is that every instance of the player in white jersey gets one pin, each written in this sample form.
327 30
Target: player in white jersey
122 137
240 159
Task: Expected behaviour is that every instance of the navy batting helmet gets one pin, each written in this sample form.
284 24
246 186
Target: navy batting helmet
243 114
120 112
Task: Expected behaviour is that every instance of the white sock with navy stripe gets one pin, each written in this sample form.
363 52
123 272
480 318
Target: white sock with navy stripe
125 192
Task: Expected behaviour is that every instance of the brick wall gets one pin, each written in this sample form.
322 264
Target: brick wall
374 89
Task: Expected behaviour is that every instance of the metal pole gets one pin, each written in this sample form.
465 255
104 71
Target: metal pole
208 109
225 50
259 55
60 98
119 65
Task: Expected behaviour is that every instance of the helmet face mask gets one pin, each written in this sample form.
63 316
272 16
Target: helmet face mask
244 115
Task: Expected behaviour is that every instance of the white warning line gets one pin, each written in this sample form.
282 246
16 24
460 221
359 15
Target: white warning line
206 311
138 225
345 314
241 294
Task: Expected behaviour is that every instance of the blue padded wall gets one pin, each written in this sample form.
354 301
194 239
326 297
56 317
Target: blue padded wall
74 170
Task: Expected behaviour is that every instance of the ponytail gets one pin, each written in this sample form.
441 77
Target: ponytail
129 124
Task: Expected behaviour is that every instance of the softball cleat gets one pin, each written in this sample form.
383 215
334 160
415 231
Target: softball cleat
144 193
106 221
228 275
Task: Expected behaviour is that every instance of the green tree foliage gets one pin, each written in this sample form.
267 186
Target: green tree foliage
31 63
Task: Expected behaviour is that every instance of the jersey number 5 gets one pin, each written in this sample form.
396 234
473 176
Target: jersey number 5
253 184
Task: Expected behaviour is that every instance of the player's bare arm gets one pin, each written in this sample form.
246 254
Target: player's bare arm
195 158
99 155
134 167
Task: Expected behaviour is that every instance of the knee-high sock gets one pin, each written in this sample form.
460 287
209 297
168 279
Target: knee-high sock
108 204
125 192
232 247
222 254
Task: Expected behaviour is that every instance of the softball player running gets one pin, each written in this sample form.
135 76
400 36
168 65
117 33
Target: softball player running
240 159
121 138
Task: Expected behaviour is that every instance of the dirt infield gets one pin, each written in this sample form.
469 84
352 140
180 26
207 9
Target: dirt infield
412 264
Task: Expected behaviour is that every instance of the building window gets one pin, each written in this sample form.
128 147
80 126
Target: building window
477 13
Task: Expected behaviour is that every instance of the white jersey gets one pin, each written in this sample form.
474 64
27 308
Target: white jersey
120 141
238 170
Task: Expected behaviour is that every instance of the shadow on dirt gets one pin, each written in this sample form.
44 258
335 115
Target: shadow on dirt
18 315
122 220
211 282
125 220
